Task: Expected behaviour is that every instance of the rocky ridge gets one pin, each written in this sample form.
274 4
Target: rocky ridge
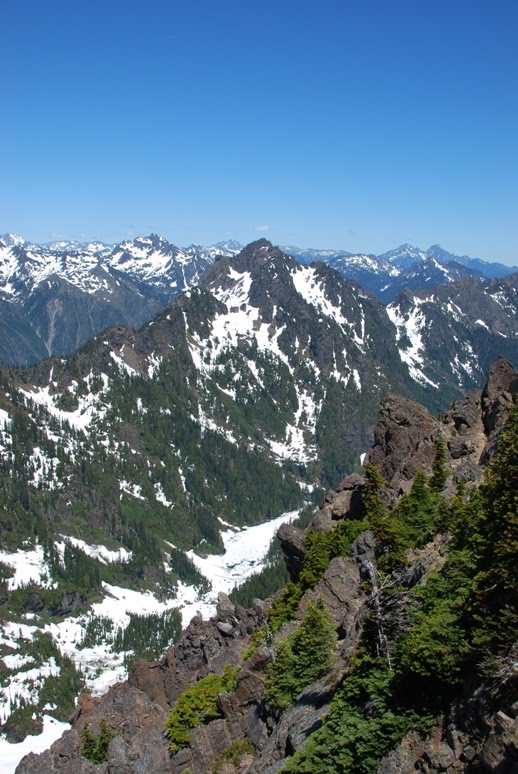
474 737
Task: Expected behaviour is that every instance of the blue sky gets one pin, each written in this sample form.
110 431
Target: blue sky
358 125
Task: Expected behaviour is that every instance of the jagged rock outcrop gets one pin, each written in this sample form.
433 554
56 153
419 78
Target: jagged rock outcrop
404 441
294 550
497 398
345 500
472 739
137 747
205 647
406 433
341 588
294 727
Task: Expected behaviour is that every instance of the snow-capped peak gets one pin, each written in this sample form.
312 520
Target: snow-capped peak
11 240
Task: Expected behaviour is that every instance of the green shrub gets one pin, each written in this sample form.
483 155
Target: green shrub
324 546
233 754
284 607
198 705
420 514
440 468
259 638
435 645
363 725
321 548
94 747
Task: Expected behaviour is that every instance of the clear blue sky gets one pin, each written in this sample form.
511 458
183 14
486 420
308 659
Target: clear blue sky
358 125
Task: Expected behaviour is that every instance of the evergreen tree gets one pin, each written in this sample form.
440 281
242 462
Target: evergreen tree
499 528
421 513
304 656
440 469
383 524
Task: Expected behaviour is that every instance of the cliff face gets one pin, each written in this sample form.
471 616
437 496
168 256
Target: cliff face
478 732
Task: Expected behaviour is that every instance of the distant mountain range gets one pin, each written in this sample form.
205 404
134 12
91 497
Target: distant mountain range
406 267
54 297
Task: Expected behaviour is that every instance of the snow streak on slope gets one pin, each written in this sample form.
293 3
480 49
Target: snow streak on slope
243 323
312 289
297 444
28 567
90 408
99 552
411 326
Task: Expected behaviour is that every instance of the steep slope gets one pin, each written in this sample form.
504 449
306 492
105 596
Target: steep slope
452 334
391 603
19 343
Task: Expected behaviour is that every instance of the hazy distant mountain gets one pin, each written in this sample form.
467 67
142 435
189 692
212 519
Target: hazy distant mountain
487 268
310 255
406 266
404 256
66 292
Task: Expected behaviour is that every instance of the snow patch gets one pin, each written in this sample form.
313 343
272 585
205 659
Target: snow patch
29 567
121 363
135 490
313 291
100 552
90 407
411 325
244 554
11 754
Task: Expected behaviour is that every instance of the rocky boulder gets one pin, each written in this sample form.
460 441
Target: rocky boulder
293 548
346 500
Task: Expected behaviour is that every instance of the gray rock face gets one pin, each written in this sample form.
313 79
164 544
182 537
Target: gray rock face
404 441
346 500
139 744
204 647
472 741
136 710
341 589
406 434
295 725
497 398
292 543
